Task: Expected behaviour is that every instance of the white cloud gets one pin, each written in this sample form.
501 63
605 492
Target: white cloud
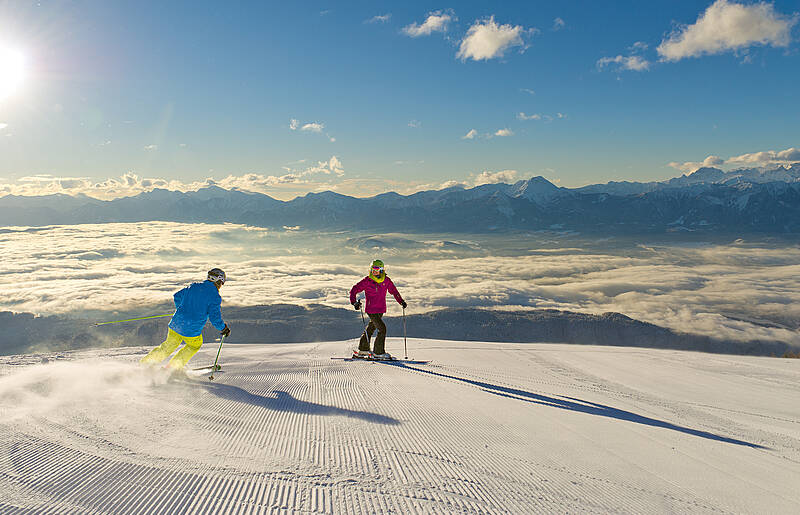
125 185
523 116
487 40
44 178
499 133
528 91
380 18
313 127
309 177
333 165
436 21
316 177
755 159
489 177
294 181
693 166
451 184
414 124
558 24
3 126
151 147
631 62
322 175
766 158
728 26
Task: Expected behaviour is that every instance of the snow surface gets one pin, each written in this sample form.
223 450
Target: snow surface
482 428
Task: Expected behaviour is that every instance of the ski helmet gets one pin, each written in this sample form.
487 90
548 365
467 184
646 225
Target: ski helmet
376 272
216 274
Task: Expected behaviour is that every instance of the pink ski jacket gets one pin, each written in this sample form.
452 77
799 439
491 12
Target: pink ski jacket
376 293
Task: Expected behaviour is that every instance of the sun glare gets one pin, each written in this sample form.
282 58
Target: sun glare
12 72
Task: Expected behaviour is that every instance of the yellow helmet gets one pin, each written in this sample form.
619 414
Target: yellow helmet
377 272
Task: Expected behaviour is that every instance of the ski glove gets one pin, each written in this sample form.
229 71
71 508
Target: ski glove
357 305
404 304
226 331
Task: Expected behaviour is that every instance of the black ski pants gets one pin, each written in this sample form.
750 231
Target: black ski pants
375 322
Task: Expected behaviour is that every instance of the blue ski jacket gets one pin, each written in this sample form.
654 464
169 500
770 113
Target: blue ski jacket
195 304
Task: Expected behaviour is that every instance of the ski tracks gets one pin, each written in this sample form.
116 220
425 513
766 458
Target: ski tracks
493 429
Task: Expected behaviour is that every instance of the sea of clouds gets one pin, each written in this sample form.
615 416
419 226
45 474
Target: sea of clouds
738 290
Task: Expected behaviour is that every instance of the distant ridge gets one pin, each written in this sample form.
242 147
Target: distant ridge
747 200
287 323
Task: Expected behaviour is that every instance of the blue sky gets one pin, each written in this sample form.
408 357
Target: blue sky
291 97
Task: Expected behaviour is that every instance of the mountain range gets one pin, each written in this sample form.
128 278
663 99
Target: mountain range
746 200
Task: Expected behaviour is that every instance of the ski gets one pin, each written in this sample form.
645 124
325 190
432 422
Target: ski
192 374
400 360
393 360
209 368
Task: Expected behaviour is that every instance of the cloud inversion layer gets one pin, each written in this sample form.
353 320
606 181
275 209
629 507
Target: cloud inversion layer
736 291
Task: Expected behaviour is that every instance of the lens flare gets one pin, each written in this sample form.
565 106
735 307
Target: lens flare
12 72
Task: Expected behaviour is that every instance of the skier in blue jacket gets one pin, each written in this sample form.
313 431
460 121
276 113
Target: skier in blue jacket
194 305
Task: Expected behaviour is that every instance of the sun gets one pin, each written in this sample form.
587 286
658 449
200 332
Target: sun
12 71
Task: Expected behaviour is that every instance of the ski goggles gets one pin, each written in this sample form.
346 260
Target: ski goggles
216 275
377 270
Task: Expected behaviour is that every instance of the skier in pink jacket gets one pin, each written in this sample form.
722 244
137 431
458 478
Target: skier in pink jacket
375 286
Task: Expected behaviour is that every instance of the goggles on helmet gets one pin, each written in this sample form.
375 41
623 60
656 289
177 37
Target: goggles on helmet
377 270
216 275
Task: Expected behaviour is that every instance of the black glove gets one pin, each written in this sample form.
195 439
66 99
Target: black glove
357 305
404 304
226 331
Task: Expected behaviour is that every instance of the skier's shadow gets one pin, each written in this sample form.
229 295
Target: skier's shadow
575 404
284 401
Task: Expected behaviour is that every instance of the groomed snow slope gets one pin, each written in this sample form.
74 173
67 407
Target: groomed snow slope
482 428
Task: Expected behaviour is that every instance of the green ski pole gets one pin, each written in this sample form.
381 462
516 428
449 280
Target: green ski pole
133 319
214 368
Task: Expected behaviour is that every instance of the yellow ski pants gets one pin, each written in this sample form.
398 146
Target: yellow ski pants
169 345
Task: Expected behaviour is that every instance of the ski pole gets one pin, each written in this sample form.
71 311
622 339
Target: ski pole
214 368
132 319
405 344
366 325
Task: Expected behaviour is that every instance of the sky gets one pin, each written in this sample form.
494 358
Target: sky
286 98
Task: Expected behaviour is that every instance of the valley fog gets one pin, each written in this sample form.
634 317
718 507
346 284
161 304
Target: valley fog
738 289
